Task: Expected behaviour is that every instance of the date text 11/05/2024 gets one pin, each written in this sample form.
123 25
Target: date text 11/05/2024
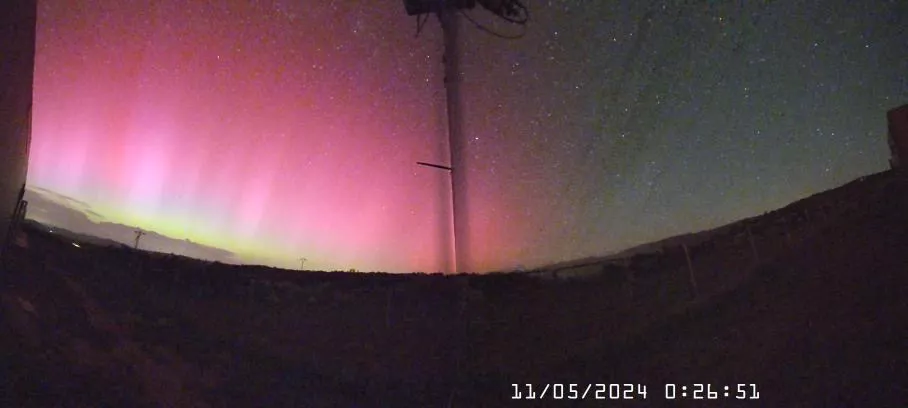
559 391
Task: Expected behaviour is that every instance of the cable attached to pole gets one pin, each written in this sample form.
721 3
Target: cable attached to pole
493 32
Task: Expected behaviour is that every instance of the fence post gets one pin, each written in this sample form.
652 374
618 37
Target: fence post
690 270
631 277
753 246
388 309
628 277
787 232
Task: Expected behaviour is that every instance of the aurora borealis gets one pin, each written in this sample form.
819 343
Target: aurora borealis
286 129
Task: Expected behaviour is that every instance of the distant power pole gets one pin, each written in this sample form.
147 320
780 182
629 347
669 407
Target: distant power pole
139 234
302 262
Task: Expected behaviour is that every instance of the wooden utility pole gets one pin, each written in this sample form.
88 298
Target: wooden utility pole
449 13
302 262
450 25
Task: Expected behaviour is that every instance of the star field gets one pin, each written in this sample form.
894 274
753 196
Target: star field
281 129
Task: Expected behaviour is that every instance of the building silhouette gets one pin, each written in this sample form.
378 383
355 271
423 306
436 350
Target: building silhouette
17 70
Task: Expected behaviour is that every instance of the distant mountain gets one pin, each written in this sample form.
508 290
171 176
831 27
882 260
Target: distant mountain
66 214
863 185
74 236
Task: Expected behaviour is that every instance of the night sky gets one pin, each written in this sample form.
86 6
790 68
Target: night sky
284 129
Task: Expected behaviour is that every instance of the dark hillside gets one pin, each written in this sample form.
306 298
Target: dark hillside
807 302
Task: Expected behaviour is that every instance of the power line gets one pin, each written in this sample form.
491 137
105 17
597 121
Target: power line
421 22
493 32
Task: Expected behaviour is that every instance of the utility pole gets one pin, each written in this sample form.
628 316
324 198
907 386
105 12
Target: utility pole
302 262
450 24
139 234
449 13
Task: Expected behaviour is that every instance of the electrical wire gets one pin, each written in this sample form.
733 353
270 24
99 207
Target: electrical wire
514 8
420 23
492 32
511 11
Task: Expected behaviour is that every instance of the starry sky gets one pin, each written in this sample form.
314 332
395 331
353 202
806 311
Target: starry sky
284 129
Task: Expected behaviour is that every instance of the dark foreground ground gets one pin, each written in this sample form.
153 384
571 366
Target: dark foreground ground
813 313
